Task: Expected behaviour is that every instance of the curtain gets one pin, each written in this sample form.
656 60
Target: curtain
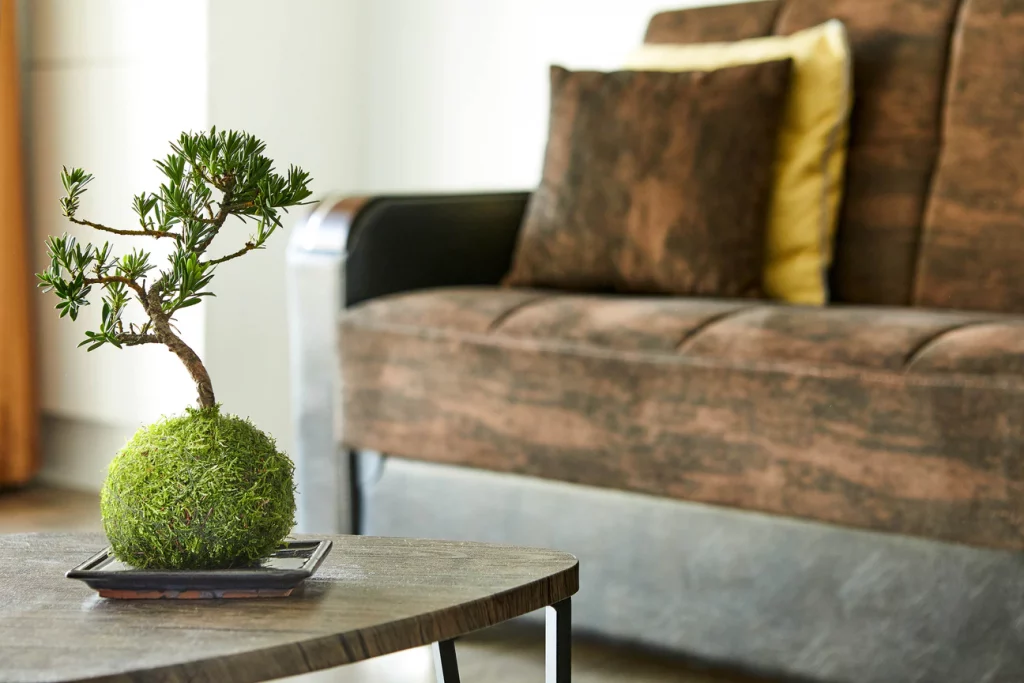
18 407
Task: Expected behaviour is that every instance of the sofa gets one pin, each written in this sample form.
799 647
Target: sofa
823 493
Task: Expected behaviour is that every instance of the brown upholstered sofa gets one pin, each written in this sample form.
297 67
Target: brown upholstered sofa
896 409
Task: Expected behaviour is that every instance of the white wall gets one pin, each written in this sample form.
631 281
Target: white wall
286 72
107 83
98 84
368 95
456 91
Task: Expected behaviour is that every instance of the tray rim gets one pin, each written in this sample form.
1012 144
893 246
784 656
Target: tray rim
192 579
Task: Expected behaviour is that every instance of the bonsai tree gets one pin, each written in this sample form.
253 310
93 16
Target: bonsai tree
186 212
204 489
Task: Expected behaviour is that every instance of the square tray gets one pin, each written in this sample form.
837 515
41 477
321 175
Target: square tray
275 576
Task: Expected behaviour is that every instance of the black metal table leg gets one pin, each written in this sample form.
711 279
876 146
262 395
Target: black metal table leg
558 642
446 664
557 649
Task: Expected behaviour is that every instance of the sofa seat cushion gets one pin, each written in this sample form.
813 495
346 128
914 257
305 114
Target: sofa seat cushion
890 419
731 331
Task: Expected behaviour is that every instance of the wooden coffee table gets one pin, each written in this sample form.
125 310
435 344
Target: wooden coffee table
371 597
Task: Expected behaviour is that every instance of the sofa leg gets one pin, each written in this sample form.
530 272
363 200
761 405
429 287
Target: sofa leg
355 497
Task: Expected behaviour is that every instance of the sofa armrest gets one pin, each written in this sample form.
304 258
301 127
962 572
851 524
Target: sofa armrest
346 251
398 244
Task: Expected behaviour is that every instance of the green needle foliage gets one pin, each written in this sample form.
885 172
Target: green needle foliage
199 491
209 178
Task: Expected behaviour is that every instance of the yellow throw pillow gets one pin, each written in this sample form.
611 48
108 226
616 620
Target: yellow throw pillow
812 146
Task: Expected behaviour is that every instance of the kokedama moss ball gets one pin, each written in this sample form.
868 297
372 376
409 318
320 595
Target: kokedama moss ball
202 490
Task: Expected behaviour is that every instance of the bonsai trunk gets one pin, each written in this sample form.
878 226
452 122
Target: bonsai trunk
192 362
164 333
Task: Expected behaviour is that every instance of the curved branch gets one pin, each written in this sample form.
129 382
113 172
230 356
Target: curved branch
130 233
110 279
192 363
218 221
136 339
209 179
190 359
249 246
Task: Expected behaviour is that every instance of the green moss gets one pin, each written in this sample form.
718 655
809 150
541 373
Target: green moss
198 491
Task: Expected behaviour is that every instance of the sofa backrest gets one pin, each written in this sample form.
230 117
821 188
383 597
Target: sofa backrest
933 211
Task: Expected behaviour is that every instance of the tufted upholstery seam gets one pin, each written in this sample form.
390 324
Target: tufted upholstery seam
691 335
504 316
794 368
928 343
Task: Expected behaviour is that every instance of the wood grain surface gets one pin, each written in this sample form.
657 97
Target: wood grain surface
372 596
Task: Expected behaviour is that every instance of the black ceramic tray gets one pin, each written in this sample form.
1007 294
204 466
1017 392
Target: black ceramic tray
274 577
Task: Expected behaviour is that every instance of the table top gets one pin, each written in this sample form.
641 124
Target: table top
372 596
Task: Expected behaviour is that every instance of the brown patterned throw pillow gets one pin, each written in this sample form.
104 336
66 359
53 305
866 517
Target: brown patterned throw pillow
655 182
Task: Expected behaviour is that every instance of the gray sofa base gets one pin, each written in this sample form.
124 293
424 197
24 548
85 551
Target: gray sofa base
769 594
